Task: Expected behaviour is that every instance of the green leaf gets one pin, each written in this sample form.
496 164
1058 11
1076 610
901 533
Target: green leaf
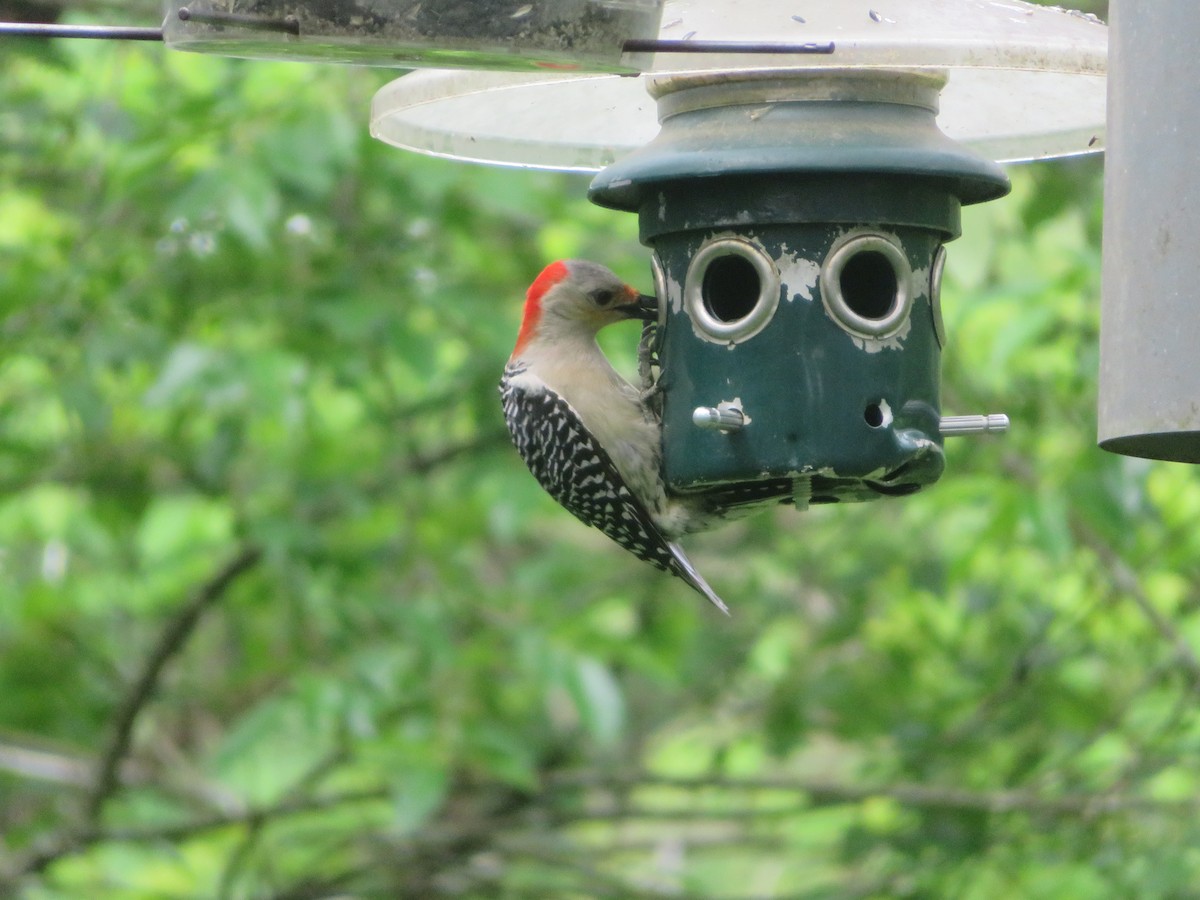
179 527
418 791
598 698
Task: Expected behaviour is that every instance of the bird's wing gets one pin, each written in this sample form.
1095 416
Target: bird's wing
569 463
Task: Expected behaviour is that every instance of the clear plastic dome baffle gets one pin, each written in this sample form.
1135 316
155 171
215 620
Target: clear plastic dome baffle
1023 82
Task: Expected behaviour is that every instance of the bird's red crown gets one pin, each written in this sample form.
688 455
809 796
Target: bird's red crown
550 276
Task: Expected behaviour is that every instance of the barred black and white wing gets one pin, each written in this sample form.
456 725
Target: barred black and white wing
574 469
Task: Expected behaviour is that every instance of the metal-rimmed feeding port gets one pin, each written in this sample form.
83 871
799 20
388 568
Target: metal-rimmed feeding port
731 290
866 284
935 295
660 288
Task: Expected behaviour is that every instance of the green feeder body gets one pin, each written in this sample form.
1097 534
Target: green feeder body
797 224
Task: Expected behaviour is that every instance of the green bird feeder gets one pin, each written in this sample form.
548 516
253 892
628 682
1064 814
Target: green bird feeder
797 224
797 168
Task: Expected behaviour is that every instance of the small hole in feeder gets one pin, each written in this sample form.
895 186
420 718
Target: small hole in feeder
731 288
869 285
878 415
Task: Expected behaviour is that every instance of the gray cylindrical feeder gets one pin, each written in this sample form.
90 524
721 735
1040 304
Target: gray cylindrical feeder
1150 326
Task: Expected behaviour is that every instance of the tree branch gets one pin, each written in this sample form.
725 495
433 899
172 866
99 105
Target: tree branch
176 633
422 463
827 792
1123 575
49 851
1127 580
249 817
801 795
596 881
44 765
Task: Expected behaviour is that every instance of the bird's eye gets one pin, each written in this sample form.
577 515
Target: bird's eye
602 297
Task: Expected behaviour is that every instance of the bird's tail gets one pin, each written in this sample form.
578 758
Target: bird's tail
685 570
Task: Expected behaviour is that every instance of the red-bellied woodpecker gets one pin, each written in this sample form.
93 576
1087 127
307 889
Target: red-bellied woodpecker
585 432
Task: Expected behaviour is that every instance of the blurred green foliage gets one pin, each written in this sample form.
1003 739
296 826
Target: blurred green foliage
237 329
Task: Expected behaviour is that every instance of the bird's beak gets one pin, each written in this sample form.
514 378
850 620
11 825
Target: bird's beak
641 306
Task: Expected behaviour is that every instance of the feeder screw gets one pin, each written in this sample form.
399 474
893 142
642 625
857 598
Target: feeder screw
950 426
722 418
